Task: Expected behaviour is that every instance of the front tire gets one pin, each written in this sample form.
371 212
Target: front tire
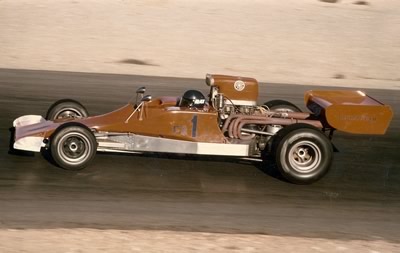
73 147
303 153
66 108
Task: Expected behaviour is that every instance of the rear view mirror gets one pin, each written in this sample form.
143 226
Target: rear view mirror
146 98
140 93
141 90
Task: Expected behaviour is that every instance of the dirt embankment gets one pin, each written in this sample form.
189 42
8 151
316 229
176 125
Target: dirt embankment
345 42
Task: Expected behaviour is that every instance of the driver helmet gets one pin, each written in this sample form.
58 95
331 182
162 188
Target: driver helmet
193 99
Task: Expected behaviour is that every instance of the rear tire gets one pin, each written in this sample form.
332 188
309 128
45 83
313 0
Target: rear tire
73 147
303 154
66 108
282 106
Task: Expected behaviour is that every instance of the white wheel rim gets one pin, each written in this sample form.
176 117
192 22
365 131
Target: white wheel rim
74 148
305 156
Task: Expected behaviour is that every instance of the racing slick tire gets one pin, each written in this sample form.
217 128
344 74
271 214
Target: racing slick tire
73 147
303 154
282 106
66 108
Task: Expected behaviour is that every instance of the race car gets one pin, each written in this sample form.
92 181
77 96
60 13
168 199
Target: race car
227 123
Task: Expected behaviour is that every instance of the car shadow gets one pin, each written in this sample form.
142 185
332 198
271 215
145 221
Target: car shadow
12 150
267 165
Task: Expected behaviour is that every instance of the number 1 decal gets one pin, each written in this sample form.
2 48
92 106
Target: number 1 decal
194 126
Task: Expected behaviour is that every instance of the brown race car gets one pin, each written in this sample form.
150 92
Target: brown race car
228 123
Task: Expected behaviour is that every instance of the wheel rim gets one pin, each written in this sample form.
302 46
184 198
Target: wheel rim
305 156
74 148
68 113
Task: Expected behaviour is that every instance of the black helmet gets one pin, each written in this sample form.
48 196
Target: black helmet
193 98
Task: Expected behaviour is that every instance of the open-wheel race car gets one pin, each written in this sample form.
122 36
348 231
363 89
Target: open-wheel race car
227 123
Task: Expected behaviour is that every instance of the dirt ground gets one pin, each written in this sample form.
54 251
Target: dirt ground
89 240
346 43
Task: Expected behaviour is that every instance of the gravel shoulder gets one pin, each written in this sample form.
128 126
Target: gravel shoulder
120 241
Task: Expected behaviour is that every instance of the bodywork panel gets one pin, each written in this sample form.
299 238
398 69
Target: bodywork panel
159 118
29 132
350 111
239 90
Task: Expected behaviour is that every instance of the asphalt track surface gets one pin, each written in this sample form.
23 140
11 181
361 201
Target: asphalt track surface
358 199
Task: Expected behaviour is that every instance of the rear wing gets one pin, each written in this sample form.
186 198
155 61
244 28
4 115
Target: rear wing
349 111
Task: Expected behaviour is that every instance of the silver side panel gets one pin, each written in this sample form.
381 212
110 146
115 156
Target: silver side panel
139 143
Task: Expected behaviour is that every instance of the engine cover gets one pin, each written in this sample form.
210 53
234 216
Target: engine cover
239 90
